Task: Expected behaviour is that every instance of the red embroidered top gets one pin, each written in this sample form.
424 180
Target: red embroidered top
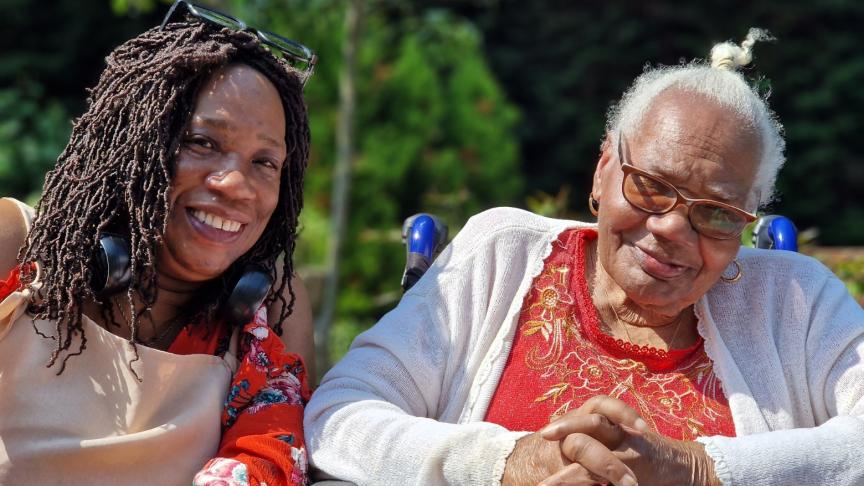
560 358
262 419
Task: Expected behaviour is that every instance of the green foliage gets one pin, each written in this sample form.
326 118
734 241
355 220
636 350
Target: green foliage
435 134
33 131
847 264
851 272
549 205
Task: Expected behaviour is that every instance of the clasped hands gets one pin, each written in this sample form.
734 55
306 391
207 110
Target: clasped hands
606 441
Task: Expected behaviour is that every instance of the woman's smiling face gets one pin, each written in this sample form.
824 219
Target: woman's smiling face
703 149
226 175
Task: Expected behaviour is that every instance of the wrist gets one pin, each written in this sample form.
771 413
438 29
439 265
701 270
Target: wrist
700 465
532 460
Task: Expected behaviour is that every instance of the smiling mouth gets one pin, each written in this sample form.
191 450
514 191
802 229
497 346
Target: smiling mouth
658 268
216 222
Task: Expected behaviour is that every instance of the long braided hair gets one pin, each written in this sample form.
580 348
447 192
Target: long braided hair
115 174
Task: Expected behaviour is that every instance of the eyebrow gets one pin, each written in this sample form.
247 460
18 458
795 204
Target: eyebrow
226 125
716 191
272 141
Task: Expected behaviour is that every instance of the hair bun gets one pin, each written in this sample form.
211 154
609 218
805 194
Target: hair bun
729 56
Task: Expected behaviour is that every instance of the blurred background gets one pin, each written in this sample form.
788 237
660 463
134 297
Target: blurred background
452 107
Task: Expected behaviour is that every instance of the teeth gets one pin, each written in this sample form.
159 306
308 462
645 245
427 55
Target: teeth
217 222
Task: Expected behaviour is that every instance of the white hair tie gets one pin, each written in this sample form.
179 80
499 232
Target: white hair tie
729 56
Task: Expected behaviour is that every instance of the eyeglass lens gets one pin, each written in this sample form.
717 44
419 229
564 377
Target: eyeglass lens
285 45
657 197
216 17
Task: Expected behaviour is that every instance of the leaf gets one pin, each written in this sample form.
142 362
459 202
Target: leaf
533 327
553 393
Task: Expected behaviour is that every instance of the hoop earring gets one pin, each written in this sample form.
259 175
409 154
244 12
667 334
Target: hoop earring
593 204
735 278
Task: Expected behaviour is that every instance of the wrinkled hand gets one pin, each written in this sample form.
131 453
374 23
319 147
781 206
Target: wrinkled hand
535 460
605 434
577 448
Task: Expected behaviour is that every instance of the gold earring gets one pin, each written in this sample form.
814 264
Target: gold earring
593 204
737 276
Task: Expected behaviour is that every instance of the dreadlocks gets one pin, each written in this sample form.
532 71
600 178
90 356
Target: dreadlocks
115 174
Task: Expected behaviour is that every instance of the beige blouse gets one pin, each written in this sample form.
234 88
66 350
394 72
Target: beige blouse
96 423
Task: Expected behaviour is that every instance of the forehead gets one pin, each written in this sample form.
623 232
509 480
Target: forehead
240 96
704 148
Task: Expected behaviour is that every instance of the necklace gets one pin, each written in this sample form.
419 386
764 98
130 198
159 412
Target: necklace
165 337
627 332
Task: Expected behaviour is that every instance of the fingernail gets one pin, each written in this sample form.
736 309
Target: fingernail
640 425
629 480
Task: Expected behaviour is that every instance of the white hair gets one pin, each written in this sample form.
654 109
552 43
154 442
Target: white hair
720 82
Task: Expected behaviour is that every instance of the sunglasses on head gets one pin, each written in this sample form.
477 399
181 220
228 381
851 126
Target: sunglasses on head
299 56
652 194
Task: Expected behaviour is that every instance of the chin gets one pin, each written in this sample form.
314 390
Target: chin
648 290
190 270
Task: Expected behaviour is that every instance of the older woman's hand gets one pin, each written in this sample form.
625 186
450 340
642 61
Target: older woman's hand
605 430
577 448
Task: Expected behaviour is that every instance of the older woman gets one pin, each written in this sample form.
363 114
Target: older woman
151 279
647 348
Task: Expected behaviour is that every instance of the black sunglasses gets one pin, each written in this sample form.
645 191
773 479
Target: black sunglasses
299 56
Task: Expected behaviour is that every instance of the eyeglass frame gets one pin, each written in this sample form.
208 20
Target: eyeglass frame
265 36
627 168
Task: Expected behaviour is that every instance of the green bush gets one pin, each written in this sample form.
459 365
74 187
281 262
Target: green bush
851 272
33 132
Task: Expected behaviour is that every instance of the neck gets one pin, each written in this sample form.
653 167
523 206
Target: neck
172 299
622 317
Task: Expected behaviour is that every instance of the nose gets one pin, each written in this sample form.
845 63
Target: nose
673 226
231 182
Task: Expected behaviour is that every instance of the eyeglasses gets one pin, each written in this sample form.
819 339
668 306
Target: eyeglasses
654 195
299 56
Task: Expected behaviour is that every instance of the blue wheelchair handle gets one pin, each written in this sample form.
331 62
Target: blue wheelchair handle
422 238
784 233
775 232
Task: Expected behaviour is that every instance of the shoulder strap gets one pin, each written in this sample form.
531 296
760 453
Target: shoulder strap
26 211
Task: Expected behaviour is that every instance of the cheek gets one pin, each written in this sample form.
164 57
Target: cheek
268 200
186 175
618 217
716 256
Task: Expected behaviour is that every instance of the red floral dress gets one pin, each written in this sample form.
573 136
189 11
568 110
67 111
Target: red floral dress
262 420
561 358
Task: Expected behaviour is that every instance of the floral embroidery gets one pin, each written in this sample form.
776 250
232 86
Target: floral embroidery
557 362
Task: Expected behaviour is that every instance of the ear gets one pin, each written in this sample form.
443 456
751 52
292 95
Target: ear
607 150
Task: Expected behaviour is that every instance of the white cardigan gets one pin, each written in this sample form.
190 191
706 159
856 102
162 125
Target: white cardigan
406 404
